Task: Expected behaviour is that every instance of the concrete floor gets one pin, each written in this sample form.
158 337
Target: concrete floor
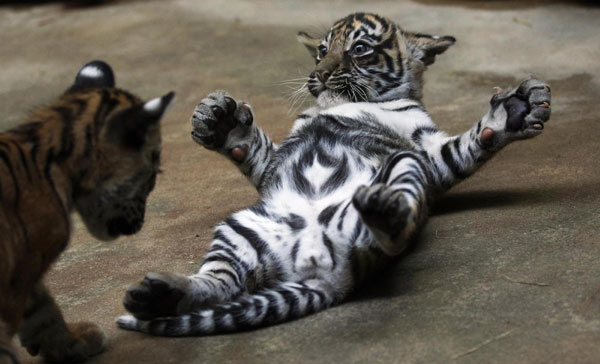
507 270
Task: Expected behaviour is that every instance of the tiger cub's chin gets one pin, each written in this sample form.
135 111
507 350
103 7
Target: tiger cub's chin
328 98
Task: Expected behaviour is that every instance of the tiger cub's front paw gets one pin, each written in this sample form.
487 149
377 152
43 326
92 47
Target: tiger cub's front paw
219 122
516 114
85 339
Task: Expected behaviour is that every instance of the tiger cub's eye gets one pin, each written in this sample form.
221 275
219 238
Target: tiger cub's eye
361 49
322 51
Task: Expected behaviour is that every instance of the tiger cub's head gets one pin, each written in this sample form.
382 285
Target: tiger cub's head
366 57
118 144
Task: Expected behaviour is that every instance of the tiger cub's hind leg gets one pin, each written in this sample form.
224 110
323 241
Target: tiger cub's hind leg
221 278
394 207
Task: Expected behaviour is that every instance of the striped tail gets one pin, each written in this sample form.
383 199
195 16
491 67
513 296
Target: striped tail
284 302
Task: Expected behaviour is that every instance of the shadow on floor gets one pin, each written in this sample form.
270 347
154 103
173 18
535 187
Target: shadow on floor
474 200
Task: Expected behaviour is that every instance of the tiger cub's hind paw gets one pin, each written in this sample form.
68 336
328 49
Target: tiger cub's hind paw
157 295
383 208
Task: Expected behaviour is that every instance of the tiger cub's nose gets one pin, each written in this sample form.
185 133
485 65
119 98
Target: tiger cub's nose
322 75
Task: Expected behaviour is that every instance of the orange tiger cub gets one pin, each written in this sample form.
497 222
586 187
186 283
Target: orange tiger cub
96 150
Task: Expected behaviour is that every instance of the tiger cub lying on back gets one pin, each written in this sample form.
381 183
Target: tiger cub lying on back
346 192
96 150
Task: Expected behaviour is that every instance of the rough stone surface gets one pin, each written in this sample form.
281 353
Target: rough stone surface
508 270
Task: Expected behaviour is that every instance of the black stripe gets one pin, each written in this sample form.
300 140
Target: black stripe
406 108
472 153
221 280
67 139
195 321
327 214
451 162
220 257
356 231
17 196
409 192
259 209
324 158
411 177
132 100
457 145
391 163
24 163
417 135
338 177
234 277
389 61
272 314
329 246
105 106
342 215
292 300
309 300
87 150
268 150
250 235
306 160
301 183
295 222
219 235
322 297
294 254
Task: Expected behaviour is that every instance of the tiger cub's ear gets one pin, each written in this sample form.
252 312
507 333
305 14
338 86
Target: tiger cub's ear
93 74
425 47
131 126
309 42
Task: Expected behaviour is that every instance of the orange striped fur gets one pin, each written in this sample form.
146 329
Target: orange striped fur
95 150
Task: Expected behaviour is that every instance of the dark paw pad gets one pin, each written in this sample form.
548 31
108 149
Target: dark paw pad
528 108
153 297
516 110
216 116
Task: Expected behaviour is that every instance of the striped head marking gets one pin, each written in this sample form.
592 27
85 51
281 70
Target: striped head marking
366 57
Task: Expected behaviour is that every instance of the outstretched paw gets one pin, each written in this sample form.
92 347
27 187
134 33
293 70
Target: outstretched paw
516 114
221 123
383 208
157 295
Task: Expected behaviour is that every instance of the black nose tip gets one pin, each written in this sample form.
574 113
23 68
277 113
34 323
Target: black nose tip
321 75
324 75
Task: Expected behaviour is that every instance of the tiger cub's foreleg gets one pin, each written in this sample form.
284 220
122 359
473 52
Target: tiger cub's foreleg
222 124
394 207
44 331
513 115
